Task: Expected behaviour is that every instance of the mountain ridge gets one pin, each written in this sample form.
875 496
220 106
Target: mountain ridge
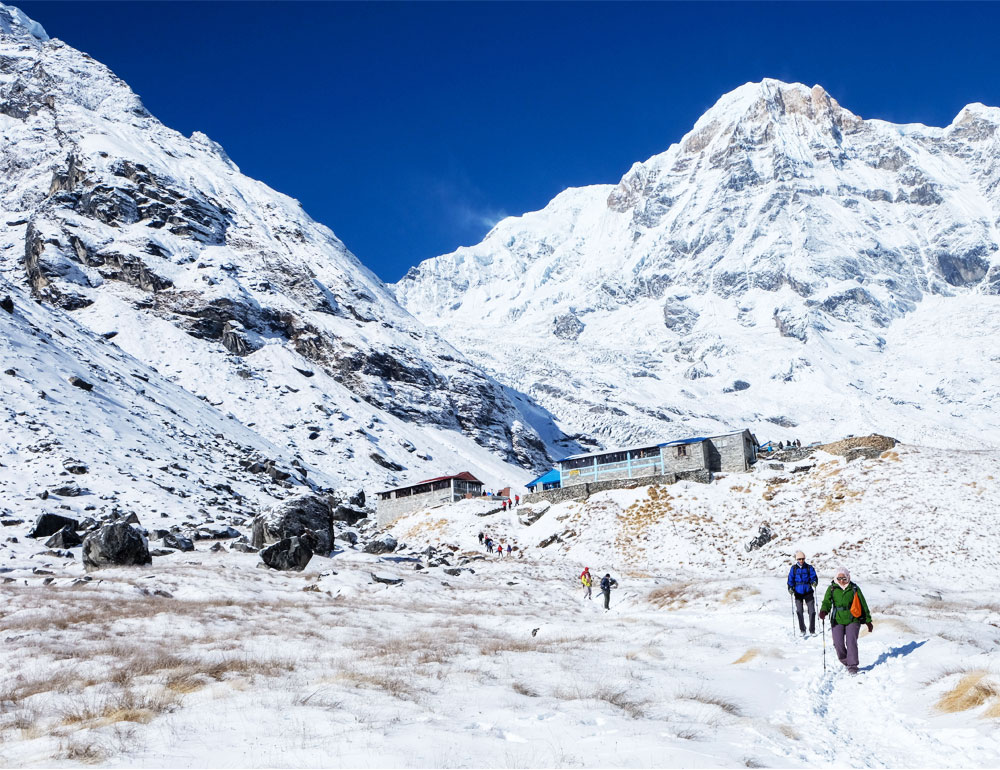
782 230
156 238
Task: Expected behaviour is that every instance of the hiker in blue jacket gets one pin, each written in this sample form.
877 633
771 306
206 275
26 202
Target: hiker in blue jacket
607 583
801 582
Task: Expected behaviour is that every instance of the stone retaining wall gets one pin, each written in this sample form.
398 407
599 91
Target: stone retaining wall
583 491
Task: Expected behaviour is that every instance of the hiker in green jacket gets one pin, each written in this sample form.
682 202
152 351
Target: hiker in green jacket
845 622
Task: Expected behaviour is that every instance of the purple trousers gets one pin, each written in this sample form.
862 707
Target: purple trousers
845 641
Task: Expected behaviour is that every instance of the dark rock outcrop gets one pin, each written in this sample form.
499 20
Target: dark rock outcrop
177 542
48 524
115 545
308 512
68 490
291 553
64 538
386 580
384 544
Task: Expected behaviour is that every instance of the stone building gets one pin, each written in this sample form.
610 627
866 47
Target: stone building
393 503
729 452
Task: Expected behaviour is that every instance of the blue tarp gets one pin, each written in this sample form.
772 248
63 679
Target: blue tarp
549 478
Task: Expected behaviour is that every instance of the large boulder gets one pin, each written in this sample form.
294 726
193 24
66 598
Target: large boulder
72 489
292 553
294 517
348 506
115 545
49 523
177 542
64 538
384 544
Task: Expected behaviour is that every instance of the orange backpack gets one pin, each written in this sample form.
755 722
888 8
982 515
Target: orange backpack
856 610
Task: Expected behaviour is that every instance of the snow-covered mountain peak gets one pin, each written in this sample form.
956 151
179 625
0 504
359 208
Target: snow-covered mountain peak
783 224
14 22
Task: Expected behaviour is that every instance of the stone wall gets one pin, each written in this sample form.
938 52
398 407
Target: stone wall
583 491
695 459
391 509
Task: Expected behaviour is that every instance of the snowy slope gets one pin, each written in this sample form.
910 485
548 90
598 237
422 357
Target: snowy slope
148 446
230 287
505 664
787 265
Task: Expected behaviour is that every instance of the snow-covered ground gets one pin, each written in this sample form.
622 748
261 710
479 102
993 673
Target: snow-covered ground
203 659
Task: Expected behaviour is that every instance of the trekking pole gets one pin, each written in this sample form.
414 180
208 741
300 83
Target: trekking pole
824 645
792 597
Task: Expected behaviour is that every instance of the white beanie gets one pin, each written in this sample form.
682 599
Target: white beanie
843 571
799 554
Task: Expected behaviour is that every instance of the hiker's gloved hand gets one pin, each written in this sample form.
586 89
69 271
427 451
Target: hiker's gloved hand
791 590
823 614
870 627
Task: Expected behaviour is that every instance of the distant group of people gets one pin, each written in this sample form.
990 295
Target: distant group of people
509 503
843 603
499 549
506 503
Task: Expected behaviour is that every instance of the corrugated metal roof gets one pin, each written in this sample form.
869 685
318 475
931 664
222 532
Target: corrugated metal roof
633 448
547 478
463 476
609 451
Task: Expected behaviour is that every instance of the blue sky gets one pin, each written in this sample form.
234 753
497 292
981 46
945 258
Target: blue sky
410 128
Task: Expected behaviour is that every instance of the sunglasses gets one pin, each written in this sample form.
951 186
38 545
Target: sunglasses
841 579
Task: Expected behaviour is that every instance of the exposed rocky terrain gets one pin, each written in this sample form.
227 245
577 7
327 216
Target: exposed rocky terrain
156 241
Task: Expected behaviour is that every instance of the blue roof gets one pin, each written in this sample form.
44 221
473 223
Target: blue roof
548 478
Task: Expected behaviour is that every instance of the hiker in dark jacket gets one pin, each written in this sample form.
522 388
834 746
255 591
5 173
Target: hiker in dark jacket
844 623
801 582
607 583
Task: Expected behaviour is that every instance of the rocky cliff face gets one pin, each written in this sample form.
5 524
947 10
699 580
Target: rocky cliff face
158 238
821 259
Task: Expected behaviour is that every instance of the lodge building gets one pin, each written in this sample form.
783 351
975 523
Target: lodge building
393 503
729 452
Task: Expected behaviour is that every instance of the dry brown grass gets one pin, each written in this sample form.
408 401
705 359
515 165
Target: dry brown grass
972 691
383 681
498 645
747 656
619 697
738 593
710 699
89 752
125 706
523 689
674 596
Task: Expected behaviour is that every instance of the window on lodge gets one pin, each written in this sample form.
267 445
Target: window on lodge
613 457
682 450
642 454
579 462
